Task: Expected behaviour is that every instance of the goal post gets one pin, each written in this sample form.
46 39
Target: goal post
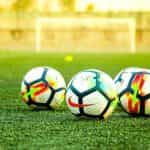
89 22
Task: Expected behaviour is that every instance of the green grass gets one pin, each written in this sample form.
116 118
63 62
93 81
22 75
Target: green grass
23 128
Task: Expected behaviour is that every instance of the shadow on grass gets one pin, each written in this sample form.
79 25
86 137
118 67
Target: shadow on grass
127 116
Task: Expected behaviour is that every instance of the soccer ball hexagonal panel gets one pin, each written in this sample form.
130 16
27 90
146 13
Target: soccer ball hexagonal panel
122 81
23 92
95 103
84 81
43 97
107 85
72 101
145 89
34 74
58 98
55 79
147 107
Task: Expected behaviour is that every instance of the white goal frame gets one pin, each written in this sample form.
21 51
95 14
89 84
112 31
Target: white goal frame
67 21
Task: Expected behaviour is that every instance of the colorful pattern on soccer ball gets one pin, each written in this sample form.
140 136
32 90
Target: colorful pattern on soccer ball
134 95
91 93
43 87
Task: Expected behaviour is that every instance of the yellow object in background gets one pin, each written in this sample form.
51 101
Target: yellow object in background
68 58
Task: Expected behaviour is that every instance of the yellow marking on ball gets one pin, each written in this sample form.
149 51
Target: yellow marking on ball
52 83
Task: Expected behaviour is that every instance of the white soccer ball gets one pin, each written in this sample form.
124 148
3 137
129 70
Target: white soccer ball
91 93
43 87
133 87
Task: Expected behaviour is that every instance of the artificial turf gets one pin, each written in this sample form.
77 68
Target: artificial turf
23 128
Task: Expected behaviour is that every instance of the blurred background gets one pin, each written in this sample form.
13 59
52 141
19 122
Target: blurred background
75 25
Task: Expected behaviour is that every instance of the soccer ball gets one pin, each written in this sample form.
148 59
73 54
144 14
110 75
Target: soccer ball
133 87
91 93
43 87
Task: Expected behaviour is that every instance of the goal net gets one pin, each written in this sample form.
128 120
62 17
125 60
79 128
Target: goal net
85 34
